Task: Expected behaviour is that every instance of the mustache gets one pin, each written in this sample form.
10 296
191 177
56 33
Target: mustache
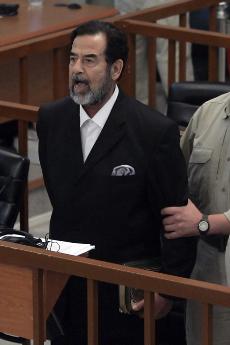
79 79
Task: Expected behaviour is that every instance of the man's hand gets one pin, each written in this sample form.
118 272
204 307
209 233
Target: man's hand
162 307
181 221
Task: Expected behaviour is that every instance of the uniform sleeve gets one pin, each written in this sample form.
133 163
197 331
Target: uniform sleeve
188 136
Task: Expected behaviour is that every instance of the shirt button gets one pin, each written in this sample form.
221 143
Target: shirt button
228 159
223 189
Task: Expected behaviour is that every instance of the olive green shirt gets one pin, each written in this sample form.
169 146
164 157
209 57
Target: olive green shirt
206 147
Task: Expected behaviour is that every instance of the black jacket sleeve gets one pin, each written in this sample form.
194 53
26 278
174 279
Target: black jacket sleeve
169 187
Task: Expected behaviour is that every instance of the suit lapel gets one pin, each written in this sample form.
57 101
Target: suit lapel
74 138
110 135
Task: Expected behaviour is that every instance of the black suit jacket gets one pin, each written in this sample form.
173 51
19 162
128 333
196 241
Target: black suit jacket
119 214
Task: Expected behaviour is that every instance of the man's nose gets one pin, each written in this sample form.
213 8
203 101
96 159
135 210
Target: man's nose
77 66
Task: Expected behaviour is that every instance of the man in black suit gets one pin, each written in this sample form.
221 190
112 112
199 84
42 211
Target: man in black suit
110 164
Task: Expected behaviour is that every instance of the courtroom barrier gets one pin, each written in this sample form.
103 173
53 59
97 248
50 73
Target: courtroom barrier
35 45
145 23
27 303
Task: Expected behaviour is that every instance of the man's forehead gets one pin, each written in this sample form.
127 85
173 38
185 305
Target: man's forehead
90 44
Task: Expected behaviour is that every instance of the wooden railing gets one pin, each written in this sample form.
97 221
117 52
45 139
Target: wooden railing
58 43
47 30
145 23
142 23
40 261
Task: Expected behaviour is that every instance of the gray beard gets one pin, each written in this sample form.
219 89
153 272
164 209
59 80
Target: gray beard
88 99
93 97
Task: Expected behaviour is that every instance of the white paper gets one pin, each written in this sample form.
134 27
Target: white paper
69 247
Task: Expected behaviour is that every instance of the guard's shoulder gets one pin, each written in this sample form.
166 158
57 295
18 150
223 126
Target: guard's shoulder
221 99
218 107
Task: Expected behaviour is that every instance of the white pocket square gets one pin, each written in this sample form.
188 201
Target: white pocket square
123 170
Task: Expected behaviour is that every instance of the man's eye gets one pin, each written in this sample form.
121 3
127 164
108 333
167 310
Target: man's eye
89 61
72 59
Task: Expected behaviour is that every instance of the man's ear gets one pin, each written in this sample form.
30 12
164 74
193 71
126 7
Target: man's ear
116 69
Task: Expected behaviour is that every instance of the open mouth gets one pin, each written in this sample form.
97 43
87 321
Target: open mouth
80 85
81 82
